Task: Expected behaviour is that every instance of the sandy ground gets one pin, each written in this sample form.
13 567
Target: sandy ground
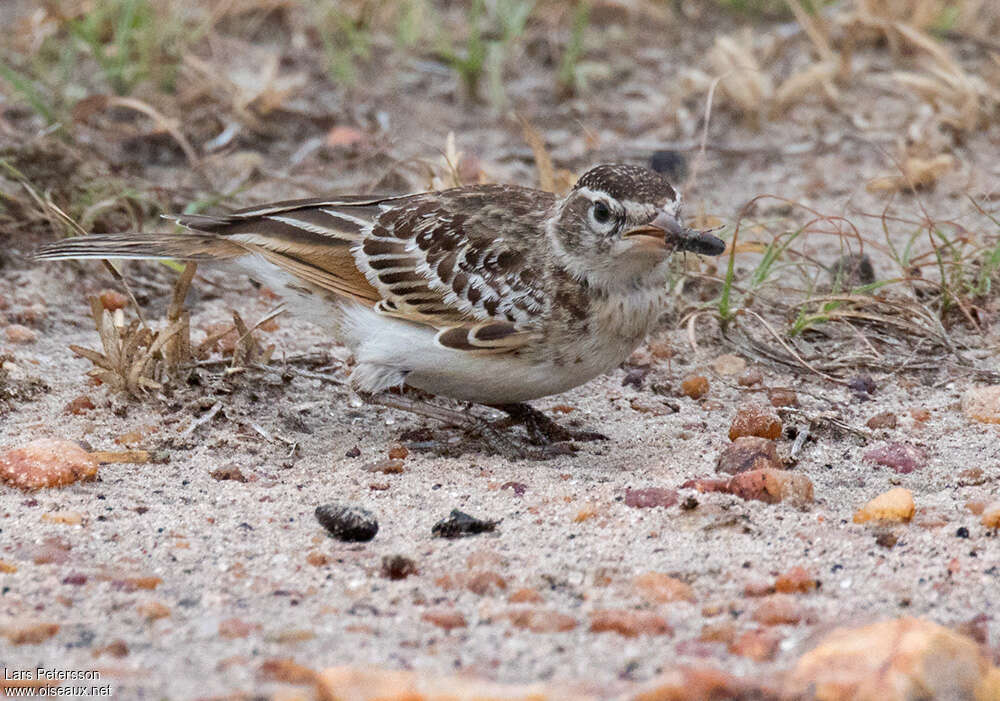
248 575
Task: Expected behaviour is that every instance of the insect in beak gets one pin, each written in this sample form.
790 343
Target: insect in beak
668 231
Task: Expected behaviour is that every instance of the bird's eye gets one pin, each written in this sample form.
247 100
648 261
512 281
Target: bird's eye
601 213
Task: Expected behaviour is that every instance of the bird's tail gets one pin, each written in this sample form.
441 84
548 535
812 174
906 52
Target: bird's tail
180 246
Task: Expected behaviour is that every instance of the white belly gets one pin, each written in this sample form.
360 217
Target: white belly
391 352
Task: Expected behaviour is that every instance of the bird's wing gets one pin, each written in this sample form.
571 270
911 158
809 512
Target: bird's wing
434 259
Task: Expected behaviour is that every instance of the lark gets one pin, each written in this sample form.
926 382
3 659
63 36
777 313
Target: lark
491 294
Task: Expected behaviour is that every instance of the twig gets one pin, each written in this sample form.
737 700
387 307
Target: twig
203 419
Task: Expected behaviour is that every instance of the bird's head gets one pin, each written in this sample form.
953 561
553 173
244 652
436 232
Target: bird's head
620 223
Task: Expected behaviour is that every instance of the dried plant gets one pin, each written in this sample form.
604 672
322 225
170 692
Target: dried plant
136 359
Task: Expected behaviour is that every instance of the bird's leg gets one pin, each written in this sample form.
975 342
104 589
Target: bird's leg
448 417
541 429
493 438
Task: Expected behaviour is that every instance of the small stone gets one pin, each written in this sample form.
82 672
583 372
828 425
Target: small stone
782 396
486 583
398 567
982 404
233 628
351 524
228 473
758 645
896 505
525 596
886 540
80 405
862 386
318 559
729 364
748 453
650 497
631 624
779 609
751 377
991 515
694 386
386 467
10 568
755 420
519 488
153 610
444 618
398 452
112 300
899 457
689 683
654 408
660 588
20 334
287 671
797 580
116 648
46 463
460 525
773 486
886 419
539 620
920 415
705 484
28 633
894 660
971 477
67 518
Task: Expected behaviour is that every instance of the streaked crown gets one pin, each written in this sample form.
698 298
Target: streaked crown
628 182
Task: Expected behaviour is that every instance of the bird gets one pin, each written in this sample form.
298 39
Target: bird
492 294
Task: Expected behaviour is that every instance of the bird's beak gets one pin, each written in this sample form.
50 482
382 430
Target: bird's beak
667 231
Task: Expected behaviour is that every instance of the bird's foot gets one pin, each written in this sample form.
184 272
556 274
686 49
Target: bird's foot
545 431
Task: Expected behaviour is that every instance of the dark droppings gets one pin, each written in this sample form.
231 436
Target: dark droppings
460 524
351 524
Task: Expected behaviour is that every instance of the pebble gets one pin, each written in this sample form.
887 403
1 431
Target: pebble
20 334
991 515
899 457
444 618
525 596
539 620
696 682
660 588
755 420
894 660
779 609
631 624
350 524
694 386
650 497
79 405
398 567
46 463
751 377
797 580
886 419
748 453
758 645
729 364
28 633
773 486
982 404
392 466
486 583
233 628
153 610
286 670
782 396
896 505
460 524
